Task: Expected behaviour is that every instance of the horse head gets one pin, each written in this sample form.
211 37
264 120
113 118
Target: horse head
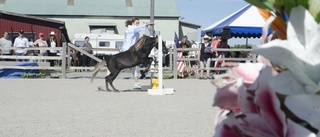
146 43
164 48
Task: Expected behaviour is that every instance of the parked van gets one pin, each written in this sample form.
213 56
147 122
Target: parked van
113 42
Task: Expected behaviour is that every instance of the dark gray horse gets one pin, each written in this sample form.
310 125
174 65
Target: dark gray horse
137 54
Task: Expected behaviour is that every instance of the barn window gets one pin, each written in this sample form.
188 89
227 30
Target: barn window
70 2
99 28
129 3
2 1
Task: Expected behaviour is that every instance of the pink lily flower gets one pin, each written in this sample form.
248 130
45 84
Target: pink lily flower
228 89
264 118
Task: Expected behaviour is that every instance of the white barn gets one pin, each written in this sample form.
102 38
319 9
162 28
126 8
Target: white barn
105 16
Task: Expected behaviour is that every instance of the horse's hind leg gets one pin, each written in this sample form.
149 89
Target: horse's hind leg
112 78
107 81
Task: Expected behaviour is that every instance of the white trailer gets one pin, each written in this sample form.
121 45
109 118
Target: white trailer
107 41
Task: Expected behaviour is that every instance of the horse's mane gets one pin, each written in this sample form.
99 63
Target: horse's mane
140 43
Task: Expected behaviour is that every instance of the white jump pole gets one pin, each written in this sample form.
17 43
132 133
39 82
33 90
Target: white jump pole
160 90
160 69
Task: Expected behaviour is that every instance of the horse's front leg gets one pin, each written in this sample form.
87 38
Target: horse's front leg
149 62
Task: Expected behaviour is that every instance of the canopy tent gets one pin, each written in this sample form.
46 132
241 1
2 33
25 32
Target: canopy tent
246 22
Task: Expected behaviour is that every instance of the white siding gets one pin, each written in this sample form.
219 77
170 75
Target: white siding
167 27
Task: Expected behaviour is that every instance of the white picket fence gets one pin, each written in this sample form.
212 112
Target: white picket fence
66 61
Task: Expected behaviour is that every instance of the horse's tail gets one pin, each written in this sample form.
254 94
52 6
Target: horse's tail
96 69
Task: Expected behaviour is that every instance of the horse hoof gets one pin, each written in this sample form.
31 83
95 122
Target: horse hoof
101 89
117 91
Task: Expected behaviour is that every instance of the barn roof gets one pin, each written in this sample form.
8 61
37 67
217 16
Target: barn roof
11 15
163 8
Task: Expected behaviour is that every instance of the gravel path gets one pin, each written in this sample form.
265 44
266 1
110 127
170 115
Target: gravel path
74 108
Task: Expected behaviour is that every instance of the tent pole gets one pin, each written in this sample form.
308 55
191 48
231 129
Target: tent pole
247 41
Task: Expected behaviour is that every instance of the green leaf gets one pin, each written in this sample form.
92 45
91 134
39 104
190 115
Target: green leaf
289 4
317 18
264 4
314 9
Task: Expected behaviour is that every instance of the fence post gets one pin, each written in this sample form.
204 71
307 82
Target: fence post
175 69
69 60
254 56
63 58
170 59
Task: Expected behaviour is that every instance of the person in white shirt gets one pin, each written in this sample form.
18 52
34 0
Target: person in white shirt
20 43
52 42
5 43
132 34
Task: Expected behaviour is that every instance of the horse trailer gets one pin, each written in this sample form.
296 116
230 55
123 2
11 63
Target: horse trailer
113 42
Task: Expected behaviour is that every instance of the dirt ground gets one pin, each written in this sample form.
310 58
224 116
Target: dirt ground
74 107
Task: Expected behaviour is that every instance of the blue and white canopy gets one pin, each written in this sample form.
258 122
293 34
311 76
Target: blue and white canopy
246 22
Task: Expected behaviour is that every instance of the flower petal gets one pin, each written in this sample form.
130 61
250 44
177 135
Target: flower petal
226 97
306 107
278 52
303 24
295 130
224 129
313 50
263 60
222 80
284 83
245 101
269 104
244 125
248 71
219 115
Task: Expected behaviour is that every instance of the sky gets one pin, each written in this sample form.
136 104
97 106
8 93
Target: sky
207 12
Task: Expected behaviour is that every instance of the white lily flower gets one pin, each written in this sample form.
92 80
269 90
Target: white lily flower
300 53
306 107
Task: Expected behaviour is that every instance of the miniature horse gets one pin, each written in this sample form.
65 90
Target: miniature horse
137 54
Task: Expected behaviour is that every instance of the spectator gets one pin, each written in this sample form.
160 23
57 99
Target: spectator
52 42
185 44
21 42
214 45
193 54
131 37
205 55
223 44
5 43
41 43
222 54
86 61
